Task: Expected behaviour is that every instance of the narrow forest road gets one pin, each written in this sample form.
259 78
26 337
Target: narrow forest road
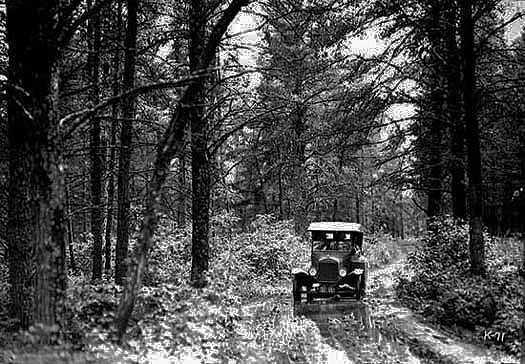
380 330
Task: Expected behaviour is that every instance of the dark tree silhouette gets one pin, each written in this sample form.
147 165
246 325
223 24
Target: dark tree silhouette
476 245
126 134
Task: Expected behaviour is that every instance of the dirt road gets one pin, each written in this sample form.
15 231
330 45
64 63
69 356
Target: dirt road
380 330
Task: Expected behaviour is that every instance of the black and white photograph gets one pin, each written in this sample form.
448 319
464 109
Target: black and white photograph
262 181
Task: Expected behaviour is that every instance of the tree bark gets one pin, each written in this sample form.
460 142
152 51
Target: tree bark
128 113
113 141
36 181
181 208
95 145
200 165
200 196
476 244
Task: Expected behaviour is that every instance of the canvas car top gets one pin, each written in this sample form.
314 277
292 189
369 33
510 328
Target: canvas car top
335 226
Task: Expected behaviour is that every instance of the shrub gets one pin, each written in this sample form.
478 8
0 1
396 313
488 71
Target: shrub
82 250
380 250
170 258
261 257
238 260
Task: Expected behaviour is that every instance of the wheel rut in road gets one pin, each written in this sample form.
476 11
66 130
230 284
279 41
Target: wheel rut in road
423 338
378 330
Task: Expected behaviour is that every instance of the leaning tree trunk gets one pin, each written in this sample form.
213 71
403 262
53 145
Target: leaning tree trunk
128 113
168 147
36 181
95 145
475 203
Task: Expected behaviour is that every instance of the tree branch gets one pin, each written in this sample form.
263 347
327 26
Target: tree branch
66 31
82 115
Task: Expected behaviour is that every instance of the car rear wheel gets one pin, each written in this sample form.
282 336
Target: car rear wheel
359 289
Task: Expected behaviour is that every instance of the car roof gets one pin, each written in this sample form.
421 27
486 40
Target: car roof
335 226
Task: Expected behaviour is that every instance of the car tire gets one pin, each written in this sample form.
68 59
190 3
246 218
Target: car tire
359 289
309 296
295 292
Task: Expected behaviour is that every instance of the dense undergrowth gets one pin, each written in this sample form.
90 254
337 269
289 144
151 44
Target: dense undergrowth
381 249
174 322
437 283
171 319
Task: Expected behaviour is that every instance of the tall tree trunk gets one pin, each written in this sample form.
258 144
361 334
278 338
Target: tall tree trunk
70 232
402 221
181 207
128 113
200 165
113 141
280 184
475 203
36 181
20 223
435 115
458 185
358 207
95 145
522 204
85 196
435 191
168 147
200 200
359 189
300 212
457 168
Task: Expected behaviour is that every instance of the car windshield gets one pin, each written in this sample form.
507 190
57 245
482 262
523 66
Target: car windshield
337 240
332 245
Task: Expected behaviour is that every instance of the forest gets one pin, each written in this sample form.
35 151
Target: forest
161 160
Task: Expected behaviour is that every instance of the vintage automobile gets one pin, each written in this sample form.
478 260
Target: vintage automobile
337 270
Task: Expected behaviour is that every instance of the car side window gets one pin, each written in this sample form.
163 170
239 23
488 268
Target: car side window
320 245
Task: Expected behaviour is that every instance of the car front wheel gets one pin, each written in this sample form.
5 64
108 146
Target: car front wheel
296 292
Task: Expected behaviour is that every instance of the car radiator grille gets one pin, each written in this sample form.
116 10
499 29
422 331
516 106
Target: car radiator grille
328 271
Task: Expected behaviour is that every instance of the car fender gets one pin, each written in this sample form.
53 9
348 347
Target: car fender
351 276
302 276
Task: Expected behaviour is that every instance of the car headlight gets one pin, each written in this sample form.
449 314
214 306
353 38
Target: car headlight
312 271
342 272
